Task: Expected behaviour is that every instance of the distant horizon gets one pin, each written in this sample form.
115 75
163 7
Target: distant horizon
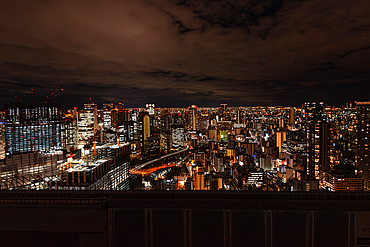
128 106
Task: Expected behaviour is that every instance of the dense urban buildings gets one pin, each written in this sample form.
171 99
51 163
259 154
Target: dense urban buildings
309 147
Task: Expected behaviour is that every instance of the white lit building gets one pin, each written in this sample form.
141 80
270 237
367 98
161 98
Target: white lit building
87 122
177 136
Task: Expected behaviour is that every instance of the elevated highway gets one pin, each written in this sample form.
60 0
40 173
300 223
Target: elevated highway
140 166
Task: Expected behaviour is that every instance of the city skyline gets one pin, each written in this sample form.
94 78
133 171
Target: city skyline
184 123
179 53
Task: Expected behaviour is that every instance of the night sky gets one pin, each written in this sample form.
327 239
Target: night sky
177 53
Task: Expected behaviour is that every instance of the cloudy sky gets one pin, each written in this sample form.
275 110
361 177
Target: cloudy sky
180 52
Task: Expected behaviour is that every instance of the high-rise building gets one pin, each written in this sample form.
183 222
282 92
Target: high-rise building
146 126
193 117
143 128
107 108
134 114
122 124
165 141
150 109
152 145
119 115
177 136
165 123
199 179
281 123
69 129
87 122
2 135
32 127
319 143
363 142
291 116
280 138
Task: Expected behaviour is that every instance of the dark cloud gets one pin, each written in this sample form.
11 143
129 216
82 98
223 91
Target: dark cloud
355 50
177 53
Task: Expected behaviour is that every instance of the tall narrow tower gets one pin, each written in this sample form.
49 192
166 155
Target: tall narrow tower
318 133
291 116
193 112
363 142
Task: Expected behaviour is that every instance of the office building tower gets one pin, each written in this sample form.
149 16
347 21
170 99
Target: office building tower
165 141
199 179
122 124
119 115
146 126
281 123
319 143
87 122
143 128
107 108
280 138
152 145
69 129
193 117
125 132
32 127
363 142
2 135
150 108
165 123
291 116
178 138
134 114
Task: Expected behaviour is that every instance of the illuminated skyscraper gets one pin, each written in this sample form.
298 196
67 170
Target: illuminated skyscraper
281 123
122 124
177 132
165 123
119 115
318 132
107 108
32 127
87 122
146 126
363 142
150 108
199 179
69 129
280 138
291 116
193 117
143 130
2 135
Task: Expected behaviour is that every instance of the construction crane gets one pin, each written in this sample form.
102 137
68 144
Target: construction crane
92 101
53 95
17 100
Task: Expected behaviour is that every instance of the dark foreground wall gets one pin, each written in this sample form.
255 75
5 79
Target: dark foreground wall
193 219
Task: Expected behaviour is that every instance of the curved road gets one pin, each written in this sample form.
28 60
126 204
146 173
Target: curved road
140 166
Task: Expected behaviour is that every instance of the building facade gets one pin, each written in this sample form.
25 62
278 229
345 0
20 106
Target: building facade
32 127
363 142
